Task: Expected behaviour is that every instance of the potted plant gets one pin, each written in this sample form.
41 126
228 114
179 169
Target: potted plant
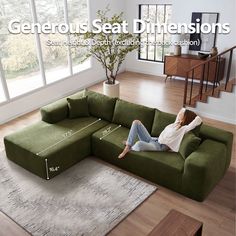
110 49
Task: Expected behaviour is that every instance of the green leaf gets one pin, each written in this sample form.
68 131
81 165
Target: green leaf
109 54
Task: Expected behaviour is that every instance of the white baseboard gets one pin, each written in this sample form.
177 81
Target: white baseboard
142 71
214 117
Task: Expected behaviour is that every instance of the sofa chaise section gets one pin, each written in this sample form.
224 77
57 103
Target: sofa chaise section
46 150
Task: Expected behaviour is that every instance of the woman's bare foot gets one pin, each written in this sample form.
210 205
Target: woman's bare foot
125 151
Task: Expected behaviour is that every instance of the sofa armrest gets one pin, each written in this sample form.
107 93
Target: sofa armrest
203 169
223 136
55 112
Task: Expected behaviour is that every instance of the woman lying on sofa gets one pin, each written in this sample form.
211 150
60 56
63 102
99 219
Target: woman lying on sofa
169 139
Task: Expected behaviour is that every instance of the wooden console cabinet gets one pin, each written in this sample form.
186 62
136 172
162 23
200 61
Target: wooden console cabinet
179 65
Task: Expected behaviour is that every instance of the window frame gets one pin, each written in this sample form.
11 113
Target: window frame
163 38
39 53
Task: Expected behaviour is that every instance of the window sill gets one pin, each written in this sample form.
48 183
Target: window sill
85 69
149 61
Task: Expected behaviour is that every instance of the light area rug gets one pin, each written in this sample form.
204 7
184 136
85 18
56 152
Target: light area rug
88 199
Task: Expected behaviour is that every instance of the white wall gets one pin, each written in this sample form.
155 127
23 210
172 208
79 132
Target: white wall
182 12
64 87
214 105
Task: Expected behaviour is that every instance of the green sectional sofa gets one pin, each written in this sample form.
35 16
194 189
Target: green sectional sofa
60 140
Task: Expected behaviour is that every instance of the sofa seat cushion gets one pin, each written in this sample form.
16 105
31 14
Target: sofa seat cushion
60 145
164 168
126 112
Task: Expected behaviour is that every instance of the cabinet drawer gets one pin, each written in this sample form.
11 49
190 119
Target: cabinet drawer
171 66
183 67
176 66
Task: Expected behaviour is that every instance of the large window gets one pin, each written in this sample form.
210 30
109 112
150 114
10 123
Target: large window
18 51
2 94
55 58
73 7
27 62
154 46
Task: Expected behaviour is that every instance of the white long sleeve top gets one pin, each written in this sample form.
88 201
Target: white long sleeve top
172 135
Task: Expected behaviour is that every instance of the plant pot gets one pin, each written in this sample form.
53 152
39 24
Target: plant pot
111 90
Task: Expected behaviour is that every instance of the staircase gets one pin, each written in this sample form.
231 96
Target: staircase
215 99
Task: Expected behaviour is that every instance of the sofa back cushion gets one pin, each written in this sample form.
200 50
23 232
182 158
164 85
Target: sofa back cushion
58 110
101 106
189 144
78 107
55 112
125 113
161 120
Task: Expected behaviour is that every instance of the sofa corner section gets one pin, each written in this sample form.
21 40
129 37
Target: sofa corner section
203 169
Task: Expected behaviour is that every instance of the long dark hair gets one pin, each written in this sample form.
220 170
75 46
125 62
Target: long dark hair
189 116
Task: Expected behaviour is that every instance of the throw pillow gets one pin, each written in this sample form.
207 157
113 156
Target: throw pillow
78 107
196 130
189 144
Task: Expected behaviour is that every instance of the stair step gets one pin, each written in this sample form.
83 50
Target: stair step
211 93
233 81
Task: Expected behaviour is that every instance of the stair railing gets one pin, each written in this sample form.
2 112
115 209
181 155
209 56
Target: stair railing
204 68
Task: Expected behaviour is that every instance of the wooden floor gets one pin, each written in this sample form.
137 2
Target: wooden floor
217 212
